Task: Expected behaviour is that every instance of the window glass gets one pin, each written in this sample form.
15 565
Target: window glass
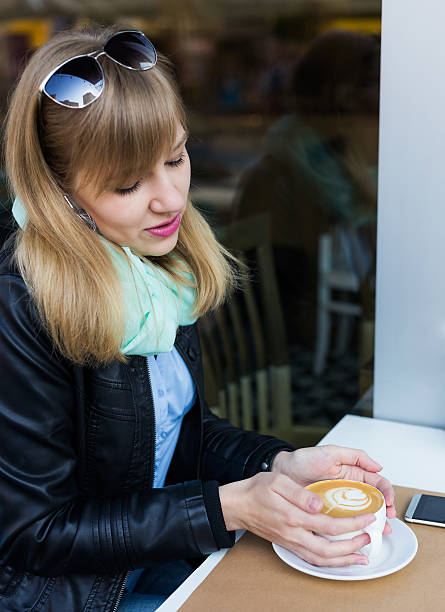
283 113
284 122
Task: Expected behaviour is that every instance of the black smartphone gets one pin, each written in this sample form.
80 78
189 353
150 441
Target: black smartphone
426 509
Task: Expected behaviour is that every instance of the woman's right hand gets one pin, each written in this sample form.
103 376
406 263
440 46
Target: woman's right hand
276 508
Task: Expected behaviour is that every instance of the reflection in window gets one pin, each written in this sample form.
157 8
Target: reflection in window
289 129
283 113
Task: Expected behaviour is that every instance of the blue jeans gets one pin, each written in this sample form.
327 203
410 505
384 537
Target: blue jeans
154 586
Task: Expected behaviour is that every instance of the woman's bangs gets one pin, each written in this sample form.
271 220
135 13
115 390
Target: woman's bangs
132 125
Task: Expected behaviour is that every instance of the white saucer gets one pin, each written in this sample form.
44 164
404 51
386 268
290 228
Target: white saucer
398 549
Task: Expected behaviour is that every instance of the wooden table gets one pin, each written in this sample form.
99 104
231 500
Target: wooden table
251 577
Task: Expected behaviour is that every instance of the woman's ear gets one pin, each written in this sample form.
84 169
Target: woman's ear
82 214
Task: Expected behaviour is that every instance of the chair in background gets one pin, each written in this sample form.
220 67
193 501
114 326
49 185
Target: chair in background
342 279
246 361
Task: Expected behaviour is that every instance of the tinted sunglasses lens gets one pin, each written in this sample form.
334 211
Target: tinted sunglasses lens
131 49
76 83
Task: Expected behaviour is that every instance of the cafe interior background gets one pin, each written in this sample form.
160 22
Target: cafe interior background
283 109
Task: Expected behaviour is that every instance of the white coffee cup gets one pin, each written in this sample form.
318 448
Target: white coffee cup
348 498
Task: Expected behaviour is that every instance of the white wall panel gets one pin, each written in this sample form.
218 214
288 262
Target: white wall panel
410 302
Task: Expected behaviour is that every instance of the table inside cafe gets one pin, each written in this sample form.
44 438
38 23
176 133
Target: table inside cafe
251 577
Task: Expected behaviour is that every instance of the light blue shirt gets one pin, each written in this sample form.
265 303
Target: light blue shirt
174 394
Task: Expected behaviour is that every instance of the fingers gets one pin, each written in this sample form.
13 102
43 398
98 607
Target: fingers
391 512
354 456
318 561
321 552
383 485
321 523
387 529
327 548
296 494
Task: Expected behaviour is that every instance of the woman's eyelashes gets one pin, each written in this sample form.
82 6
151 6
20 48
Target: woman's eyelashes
127 190
177 162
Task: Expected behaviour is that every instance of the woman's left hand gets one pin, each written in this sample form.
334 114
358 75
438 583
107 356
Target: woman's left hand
307 465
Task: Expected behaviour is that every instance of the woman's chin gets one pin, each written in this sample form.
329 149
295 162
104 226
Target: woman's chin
157 248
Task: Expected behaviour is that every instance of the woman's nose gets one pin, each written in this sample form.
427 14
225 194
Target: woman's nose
165 196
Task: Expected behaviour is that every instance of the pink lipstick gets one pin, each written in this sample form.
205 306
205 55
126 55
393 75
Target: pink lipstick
166 229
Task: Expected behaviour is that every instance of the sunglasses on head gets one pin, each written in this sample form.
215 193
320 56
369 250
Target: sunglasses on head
79 81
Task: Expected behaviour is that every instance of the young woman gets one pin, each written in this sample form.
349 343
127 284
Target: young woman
113 471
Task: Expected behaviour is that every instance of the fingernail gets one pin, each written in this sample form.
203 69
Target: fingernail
363 562
315 504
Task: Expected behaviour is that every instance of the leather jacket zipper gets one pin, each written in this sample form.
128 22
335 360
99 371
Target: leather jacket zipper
153 457
121 591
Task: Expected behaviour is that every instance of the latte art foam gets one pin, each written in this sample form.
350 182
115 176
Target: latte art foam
343 498
349 498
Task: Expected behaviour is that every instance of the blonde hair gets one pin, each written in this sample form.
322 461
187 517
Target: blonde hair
111 142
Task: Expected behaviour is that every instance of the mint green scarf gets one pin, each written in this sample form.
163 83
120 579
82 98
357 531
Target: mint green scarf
155 306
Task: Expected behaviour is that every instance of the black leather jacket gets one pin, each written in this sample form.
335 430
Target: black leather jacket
77 507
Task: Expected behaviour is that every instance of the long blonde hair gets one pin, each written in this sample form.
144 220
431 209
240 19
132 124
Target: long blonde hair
111 142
